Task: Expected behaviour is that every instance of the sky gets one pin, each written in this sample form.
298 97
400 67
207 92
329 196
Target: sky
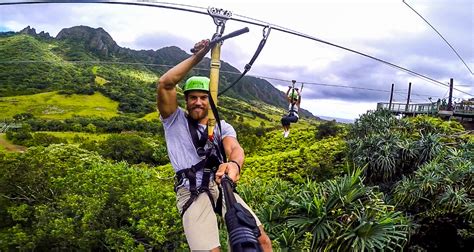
385 29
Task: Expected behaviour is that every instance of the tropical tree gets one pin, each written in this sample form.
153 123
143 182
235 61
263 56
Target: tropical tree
424 165
338 214
439 196
390 148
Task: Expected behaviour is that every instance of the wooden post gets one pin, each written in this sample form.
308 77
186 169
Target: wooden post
408 98
391 98
450 99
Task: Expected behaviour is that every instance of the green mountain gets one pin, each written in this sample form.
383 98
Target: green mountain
83 60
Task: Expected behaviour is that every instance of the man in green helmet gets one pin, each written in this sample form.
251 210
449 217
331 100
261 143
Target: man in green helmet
294 100
186 140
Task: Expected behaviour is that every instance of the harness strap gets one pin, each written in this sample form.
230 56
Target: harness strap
292 108
205 186
209 164
211 160
190 174
198 142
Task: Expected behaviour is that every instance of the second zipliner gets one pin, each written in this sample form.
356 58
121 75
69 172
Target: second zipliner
293 96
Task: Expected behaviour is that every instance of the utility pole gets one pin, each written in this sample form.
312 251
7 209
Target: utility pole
408 98
450 99
391 98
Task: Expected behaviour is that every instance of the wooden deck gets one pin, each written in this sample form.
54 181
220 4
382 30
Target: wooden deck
459 109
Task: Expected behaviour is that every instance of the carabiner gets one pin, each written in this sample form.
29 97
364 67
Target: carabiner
266 32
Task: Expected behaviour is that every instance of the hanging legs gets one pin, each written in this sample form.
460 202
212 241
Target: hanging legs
286 121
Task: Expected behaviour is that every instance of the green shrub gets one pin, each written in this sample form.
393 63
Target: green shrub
133 149
64 198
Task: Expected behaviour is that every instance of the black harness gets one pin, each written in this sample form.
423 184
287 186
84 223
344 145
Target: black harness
211 155
292 110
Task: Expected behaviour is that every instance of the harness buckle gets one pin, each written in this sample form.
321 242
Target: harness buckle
194 191
201 152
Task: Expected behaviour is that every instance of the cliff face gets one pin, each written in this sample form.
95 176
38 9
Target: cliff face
96 40
31 31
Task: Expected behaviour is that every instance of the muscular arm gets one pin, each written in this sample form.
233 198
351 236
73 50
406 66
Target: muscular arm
234 152
166 99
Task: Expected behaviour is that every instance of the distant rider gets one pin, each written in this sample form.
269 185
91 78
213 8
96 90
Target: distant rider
294 100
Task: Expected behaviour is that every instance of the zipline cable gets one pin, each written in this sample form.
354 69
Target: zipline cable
336 86
198 10
452 48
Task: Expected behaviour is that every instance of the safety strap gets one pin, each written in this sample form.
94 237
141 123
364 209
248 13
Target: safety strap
266 33
216 115
190 174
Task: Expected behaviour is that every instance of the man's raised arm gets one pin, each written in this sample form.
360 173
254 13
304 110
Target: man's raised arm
166 99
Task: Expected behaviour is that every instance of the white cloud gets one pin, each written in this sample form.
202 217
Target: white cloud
337 108
385 29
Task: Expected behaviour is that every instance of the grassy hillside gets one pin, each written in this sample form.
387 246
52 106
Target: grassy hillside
27 48
19 75
84 60
255 113
52 105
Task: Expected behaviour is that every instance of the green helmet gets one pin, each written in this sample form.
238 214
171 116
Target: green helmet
293 95
199 83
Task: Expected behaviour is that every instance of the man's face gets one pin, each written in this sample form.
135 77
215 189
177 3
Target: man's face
197 104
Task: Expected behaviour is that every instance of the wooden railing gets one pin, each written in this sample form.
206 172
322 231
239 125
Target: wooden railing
423 108
459 109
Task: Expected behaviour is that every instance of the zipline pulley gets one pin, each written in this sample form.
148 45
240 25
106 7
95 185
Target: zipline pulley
293 88
293 82
220 16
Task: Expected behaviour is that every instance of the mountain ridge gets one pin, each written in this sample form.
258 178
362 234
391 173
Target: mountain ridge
85 43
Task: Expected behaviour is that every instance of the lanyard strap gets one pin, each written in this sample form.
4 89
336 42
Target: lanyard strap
266 33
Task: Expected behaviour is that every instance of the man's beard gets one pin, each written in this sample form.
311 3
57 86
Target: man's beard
197 112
